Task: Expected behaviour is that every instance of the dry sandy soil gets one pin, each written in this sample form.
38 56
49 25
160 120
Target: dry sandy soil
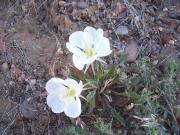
33 35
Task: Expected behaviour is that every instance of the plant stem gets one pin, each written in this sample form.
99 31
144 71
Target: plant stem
92 67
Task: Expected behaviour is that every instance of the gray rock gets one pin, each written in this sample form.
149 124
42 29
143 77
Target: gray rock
82 4
4 67
122 30
29 109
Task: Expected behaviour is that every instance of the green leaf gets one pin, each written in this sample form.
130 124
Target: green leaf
92 82
73 75
117 117
173 66
98 71
91 100
109 98
132 82
103 127
111 73
122 59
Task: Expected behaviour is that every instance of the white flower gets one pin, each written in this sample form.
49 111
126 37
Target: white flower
63 96
87 46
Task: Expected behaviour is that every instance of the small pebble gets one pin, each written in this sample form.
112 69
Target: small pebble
171 42
130 106
5 66
156 49
32 82
82 4
165 9
131 50
160 29
62 3
11 83
155 62
28 109
122 30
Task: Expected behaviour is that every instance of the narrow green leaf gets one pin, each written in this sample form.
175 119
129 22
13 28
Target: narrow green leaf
111 73
91 100
122 59
109 98
92 82
117 117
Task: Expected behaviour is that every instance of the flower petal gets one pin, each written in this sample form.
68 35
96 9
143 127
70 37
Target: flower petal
103 47
90 34
77 63
80 87
70 83
81 60
91 59
55 103
55 85
100 32
72 48
73 108
76 40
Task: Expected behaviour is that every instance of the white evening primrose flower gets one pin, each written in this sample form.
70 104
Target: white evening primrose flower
87 46
63 96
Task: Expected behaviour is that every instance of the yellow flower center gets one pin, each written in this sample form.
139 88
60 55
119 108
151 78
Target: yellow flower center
71 92
90 52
